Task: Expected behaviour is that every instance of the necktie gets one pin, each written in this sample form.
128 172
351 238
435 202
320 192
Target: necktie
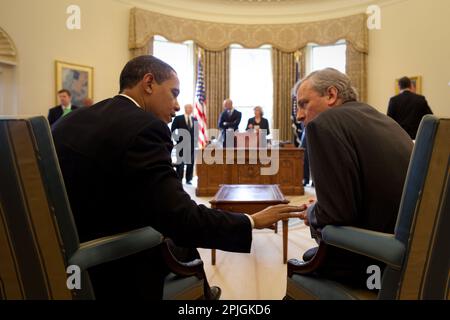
66 111
189 122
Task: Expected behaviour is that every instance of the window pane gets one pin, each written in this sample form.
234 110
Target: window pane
251 82
180 57
328 56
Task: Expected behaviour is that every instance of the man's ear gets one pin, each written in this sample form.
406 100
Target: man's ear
147 83
332 94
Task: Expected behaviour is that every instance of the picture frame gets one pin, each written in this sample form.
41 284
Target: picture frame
76 78
416 85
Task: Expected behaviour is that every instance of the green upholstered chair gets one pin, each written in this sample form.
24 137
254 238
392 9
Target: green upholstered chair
38 238
417 255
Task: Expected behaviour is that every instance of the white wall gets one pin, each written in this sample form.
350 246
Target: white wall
38 29
8 89
414 40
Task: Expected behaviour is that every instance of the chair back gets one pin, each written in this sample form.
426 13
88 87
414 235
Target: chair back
424 219
37 230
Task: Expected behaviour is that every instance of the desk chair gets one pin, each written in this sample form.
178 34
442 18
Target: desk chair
417 255
38 238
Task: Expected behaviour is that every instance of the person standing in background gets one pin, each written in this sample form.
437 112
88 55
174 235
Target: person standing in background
88 102
64 108
189 123
408 108
258 122
229 119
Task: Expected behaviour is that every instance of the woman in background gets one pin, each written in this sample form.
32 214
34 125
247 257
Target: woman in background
258 122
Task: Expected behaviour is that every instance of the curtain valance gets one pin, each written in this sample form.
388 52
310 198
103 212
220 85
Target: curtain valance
218 36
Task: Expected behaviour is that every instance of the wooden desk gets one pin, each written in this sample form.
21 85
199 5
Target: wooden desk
250 199
243 171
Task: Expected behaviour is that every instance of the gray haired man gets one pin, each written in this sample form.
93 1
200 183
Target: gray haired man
358 158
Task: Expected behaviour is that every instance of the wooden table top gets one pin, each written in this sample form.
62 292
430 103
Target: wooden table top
249 193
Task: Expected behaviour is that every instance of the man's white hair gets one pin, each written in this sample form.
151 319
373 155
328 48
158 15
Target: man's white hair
322 80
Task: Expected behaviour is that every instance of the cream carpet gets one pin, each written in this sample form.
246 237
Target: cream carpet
260 274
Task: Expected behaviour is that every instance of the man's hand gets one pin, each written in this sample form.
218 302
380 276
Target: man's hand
304 217
304 214
270 215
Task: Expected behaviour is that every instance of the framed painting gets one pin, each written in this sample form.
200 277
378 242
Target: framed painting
416 85
78 79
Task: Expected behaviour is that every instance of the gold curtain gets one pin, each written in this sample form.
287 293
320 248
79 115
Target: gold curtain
217 81
356 69
302 57
218 36
147 49
283 67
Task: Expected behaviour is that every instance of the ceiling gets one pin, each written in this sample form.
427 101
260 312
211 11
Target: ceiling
257 11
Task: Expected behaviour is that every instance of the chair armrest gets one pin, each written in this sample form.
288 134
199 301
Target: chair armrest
377 245
111 248
302 267
186 269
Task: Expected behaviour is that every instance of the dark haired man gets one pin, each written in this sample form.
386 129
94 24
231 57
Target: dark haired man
65 107
408 108
116 161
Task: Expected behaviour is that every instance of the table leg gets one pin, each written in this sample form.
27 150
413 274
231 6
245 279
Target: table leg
213 257
285 240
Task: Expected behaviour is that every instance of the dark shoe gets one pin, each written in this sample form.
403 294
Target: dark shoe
309 254
214 293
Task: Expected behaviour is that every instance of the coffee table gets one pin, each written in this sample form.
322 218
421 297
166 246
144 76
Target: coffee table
249 199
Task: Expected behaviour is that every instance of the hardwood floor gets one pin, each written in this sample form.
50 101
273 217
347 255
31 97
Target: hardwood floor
260 274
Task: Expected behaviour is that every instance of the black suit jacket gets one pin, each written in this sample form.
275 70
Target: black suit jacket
179 122
116 163
408 109
264 124
359 159
227 121
56 112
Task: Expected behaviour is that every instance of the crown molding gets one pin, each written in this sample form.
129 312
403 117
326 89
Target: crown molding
255 12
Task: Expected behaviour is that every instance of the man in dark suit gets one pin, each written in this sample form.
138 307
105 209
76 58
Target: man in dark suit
185 126
352 150
229 121
65 107
116 162
408 108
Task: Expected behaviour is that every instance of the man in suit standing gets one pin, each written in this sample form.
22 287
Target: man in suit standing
349 172
229 121
185 126
408 108
116 162
63 109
